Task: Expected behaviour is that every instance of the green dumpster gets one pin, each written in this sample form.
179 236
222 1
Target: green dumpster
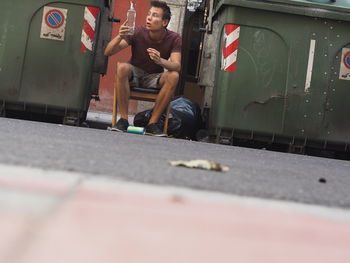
283 72
51 55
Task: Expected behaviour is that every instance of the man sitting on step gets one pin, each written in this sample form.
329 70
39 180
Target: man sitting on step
154 48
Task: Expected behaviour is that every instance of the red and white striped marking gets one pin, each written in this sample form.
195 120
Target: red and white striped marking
230 48
88 32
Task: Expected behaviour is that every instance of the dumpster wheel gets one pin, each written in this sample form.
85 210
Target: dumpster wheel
71 121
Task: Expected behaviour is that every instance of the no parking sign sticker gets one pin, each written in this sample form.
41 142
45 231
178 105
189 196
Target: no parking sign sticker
345 64
53 25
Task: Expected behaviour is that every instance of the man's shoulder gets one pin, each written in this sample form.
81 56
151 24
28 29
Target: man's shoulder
139 32
140 29
173 34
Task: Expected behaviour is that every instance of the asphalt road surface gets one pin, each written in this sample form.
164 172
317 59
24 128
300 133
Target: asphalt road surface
145 159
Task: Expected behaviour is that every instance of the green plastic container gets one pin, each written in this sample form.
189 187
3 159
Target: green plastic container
291 83
48 65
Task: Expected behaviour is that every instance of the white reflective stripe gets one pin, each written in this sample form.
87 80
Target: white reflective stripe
85 39
310 65
231 59
232 37
90 18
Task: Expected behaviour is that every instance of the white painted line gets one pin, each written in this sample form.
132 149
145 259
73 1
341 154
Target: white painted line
310 65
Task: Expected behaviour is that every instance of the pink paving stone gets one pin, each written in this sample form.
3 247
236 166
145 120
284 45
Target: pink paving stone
97 226
13 228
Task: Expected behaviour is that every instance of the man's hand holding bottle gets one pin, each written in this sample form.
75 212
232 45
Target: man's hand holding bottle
124 30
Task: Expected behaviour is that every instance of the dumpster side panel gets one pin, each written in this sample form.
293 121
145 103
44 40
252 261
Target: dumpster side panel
253 97
319 110
337 107
12 42
41 72
308 77
291 79
56 72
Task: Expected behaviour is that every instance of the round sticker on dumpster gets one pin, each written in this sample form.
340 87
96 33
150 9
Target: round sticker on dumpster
347 60
54 18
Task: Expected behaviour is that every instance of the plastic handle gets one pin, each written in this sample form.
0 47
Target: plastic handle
114 19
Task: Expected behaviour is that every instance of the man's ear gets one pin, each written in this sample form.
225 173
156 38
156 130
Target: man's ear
165 22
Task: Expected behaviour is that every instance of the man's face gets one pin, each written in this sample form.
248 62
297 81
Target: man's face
154 19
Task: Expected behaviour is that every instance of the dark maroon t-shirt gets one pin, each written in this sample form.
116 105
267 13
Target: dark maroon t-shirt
140 41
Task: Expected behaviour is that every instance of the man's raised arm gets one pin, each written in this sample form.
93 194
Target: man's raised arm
118 43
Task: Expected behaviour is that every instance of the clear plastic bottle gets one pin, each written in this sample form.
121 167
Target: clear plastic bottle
131 17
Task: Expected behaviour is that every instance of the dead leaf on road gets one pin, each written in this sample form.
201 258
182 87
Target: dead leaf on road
201 164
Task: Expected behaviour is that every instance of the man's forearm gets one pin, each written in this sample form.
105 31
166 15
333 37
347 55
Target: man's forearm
169 65
113 46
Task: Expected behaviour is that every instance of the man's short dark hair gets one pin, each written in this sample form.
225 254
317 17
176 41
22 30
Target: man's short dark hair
164 6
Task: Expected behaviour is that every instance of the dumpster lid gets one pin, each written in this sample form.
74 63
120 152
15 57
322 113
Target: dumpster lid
339 10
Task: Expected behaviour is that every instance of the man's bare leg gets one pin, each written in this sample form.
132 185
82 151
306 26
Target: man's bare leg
168 81
122 76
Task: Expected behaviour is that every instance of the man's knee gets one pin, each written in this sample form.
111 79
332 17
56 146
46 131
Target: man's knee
171 77
123 70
